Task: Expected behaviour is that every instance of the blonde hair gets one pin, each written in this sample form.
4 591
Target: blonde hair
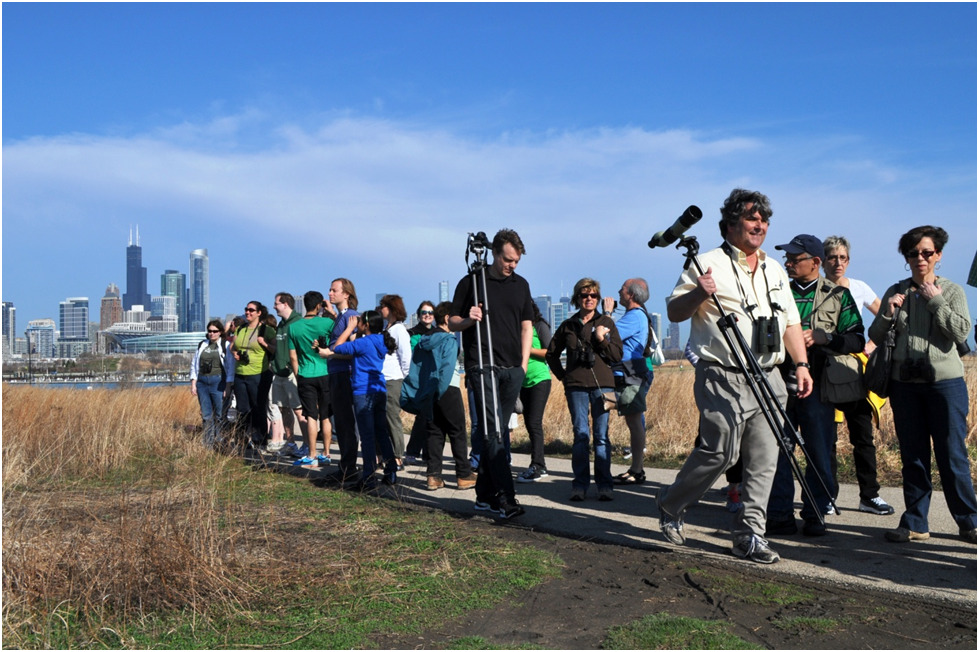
584 284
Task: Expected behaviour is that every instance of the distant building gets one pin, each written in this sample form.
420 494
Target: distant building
74 319
41 337
557 314
444 291
174 284
197 291
657 320
544 305
674 335
111 308
9 327
163 315
378 297
136 290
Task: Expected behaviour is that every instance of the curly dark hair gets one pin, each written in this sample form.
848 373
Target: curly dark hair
911 239
735 207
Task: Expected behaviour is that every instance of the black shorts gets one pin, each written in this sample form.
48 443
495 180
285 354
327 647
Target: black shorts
314 396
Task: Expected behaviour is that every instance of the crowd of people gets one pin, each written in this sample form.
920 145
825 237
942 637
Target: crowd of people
332 372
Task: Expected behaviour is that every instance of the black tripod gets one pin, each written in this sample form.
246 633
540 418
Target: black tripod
478 245
784 434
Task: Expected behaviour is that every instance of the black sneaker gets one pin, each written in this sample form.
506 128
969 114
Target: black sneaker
486 505
532 474
509 507
754 548
876 506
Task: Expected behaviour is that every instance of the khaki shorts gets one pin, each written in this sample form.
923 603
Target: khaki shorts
285 392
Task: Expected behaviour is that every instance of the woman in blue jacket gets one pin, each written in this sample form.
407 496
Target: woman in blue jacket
370 395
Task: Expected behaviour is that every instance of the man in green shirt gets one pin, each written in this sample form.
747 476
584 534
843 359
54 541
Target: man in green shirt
831 325
306 336
285 394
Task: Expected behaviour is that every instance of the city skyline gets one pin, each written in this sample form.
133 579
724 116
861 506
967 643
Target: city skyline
367 141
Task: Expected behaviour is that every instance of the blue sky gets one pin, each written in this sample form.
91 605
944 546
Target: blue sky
299 143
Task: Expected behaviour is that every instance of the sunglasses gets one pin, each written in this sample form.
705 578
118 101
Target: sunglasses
211 330
589 295
924 253
428 312
251 309
793 260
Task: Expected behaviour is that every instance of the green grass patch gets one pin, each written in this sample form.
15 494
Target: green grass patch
755 592
663 631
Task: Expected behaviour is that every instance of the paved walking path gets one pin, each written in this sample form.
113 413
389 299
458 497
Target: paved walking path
853 553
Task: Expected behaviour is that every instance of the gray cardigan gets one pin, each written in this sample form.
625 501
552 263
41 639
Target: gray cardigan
927 329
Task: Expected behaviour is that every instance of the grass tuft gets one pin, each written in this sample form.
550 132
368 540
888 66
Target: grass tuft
663 631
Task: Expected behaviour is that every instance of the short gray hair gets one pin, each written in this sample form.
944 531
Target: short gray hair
638 288
835 242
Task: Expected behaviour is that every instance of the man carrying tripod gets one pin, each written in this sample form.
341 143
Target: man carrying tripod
754 289
494 310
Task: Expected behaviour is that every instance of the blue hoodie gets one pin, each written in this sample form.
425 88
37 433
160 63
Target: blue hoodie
368 363
433 364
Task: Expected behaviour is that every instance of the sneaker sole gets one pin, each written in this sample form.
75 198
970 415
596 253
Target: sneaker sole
874 510
484 507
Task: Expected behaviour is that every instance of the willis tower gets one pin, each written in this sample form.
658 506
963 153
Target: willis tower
136 293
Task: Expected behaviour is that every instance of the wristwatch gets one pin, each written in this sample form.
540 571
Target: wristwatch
802 364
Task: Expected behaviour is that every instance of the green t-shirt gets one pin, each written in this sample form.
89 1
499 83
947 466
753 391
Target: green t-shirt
849 311
537 370
246 339
301 336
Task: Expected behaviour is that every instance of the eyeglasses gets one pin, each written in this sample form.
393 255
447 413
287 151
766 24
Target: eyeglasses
589 295
251 309
837 259
791 260
211 330
924 253
428 312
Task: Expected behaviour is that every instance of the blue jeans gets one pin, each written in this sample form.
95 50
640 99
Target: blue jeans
926 414
816 420
210 394
580 401
370 411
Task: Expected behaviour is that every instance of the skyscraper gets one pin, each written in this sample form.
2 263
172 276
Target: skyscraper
544 305
111 309
443 291
174 284
198 306
74 319
657 321
40 337
675 336
136 290
9 327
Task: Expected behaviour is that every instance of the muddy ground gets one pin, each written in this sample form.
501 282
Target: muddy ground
605 585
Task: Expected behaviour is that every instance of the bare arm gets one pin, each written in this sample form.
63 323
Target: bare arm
526 340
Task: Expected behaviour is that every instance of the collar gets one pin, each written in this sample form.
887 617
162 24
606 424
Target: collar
808 287
740 257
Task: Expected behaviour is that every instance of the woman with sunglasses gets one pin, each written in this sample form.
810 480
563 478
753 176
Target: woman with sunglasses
212 372
928 394
593 345
250 351
417 448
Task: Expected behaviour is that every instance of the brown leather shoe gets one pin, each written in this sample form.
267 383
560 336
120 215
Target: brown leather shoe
466 483
435 483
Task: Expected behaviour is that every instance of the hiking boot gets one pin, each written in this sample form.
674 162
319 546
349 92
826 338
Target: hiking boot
904 535
435 483
510 508
577 495
466 483
605 495
876 506
813 527
968 535
781 527
754 548
734 499
532 474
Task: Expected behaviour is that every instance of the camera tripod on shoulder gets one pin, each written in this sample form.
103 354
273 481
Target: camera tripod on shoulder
478 245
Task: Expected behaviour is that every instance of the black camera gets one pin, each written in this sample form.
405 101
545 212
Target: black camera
243 357
768 338
582 355
206 366
919 369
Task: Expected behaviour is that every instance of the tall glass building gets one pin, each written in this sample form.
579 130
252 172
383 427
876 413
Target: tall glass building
197 304
9 326
174 284
136 290
444 291
74 319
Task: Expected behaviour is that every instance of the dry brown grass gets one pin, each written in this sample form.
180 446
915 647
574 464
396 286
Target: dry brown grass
149 539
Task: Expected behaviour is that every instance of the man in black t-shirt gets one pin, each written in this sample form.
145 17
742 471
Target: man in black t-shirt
510 314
